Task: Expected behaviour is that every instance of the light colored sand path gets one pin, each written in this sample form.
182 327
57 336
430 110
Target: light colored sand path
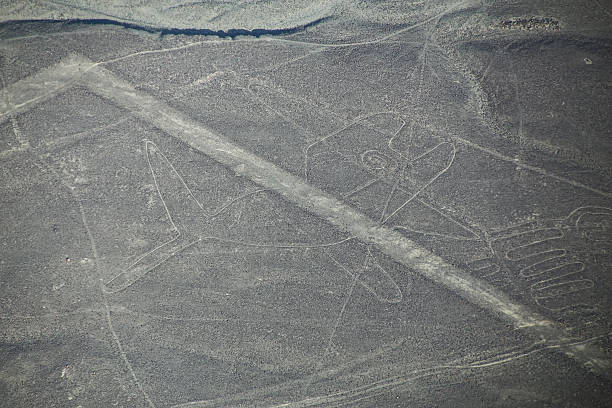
302 194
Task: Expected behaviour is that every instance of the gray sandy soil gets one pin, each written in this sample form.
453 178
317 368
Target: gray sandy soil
300 204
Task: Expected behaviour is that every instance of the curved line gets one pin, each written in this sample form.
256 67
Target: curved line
532 231
190 192
392 138
498 234
141 258
393 382
556 285
355 121
147 143
146 272
539 299
277 246
606 211
493 267
584 232
234 200
541 272
560 251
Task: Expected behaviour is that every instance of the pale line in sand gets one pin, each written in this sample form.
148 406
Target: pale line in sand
107 307
307 197
332 210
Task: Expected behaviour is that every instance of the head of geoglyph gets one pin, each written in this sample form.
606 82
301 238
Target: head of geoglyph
377 162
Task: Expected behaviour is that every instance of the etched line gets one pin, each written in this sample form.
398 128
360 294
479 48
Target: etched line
388 384
329 208
184 236
107 307
20 96
535 169
429 182
23 144
554 257
332 210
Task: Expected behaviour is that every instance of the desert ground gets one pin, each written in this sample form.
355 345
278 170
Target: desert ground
305 204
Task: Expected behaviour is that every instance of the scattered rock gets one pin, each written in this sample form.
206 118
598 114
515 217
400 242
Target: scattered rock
533 23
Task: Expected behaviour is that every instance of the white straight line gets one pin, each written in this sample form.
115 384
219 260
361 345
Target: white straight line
307 197
23 95
337 213
535 169
26 93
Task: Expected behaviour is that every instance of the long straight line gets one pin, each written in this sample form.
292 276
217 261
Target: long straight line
26 93
302 194
337 213
535 169
21 96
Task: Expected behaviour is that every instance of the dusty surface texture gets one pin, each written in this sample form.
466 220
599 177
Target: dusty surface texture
303 204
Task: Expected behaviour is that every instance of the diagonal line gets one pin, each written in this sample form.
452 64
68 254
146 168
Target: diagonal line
23 95
334 211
